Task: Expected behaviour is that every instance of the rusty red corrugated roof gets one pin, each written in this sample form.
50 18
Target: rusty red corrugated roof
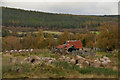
77 44
68 46
65 46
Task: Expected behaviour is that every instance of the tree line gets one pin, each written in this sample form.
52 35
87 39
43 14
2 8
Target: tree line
23 18
107 39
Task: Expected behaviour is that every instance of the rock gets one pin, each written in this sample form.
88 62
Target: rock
81 66
37 58
109 61
63 57
88 60
102 59
43 59
104 63
80 61
97 63
33 60
6 51
53 59
77 57
106 58
67 59
77 64
50 61
26 60
31 50
85 63
47 59
92 63
60 59
72 61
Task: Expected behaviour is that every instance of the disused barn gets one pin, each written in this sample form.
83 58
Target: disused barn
71 45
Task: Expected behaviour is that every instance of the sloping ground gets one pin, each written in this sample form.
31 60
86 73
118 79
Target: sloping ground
23 18
58 69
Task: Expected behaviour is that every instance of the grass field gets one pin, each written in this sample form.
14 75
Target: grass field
50 32
55 70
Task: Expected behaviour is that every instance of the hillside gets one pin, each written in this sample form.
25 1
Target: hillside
23 18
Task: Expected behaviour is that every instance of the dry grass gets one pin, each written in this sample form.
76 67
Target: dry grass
55 70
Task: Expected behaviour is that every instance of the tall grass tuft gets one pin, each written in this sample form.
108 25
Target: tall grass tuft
98 71
86 70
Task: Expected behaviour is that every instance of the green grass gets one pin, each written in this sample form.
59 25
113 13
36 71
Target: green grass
107 54
29 70
86 70
97 32
50 32
98 71
53 32
59 69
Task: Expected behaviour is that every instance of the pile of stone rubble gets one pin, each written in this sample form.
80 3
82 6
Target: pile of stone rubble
83 62
75 60
37 60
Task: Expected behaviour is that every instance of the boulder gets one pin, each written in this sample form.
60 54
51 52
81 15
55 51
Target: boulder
67 59
104 63
102 59
80 61
72 61
106 58
77 57
61 59
85 63
50 61
109 61
35 57
91 63
80 65
97 63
